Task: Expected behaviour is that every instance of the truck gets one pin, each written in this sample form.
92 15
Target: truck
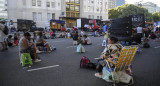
56 24
91 23
25 25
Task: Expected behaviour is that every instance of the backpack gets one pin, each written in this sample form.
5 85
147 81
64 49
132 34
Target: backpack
146 45
5 31
85 62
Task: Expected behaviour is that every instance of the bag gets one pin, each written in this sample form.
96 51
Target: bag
123 77
107 75
146 45
84 62
104 43
5 31
80 49
91 65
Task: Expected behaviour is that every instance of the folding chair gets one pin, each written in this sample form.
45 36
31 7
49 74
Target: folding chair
123 63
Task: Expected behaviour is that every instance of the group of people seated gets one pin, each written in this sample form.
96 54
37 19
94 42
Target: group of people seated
27 46
79 39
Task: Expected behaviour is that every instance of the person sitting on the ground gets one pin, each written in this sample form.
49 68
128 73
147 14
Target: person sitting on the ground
26 46
75 38
9 41
87 40
52 34
111 54
153 35
64 34
41 42
16 39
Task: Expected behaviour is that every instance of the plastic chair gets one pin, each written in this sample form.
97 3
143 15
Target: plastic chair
26 59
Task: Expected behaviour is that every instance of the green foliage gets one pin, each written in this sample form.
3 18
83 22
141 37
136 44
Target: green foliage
128 10
156 17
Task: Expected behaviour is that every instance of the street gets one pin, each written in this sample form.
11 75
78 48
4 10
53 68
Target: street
62 66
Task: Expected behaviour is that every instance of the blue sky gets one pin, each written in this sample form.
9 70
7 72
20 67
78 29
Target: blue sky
153 1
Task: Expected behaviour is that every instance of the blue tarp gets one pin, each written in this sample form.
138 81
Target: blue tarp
58 21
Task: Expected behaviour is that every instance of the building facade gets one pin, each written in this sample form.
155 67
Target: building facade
40 11
3 9
112 4
150 6
120 2
94 9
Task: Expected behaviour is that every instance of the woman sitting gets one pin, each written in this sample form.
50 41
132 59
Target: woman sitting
87 40
41 42
111 55
26 46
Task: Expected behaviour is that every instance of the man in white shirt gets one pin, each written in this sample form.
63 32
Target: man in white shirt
87 40
139 32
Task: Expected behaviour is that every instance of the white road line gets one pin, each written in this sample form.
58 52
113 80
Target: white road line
157 47
71 46
97 58
42 68
59 41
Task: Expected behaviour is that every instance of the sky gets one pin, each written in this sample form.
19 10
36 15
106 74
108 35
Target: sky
153 1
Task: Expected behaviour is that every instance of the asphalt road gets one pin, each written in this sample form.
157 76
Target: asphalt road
146 70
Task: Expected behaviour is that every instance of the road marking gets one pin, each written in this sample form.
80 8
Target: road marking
97 58
59 41
157 47
42 68
71 46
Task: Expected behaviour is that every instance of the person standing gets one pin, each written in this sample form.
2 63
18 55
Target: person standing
139 32
3 36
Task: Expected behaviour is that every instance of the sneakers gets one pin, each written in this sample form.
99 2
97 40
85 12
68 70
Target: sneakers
98 75
37 60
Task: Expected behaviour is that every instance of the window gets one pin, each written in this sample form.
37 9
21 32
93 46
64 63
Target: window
48 4
67 0
67 7
89 16
77 8
92 2
76 1
33 2
48 16
39 3
97 17
24 2
53 4
72 1
100 17
58 4
53 15
34 16
71 7
89 8
97 9
39 16
92 16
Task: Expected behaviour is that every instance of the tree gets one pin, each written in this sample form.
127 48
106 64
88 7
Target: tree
156 17
127 10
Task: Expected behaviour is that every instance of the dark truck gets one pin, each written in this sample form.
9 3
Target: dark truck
56 25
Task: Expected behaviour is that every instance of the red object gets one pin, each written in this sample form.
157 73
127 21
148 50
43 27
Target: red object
51 33
63 29
94 23
16 42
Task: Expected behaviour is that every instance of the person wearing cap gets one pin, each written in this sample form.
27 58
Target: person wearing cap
3 36
25 46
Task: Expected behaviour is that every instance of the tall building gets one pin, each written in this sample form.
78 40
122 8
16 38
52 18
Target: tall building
112 4
150 6
3 9
40 11
90 9
94 9
120 2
